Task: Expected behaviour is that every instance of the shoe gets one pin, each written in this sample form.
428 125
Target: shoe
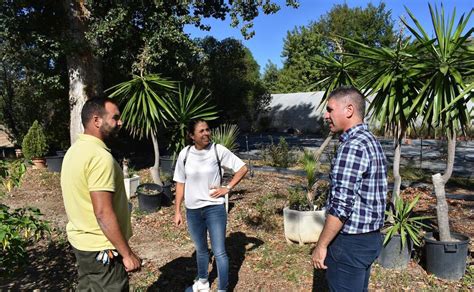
199 286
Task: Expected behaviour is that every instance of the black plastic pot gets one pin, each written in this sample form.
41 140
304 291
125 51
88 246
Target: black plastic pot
149 197
393 256
167 199
446 260
167 164
54 163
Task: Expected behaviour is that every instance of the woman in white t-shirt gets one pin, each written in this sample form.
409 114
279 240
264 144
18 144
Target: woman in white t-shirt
198 181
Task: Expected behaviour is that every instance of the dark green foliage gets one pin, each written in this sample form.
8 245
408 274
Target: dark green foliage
278 155
33 73
125 36
306 46
11 173
34 143
404 224
231 74
188 104
18 229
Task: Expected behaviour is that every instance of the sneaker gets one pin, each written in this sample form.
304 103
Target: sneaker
200 286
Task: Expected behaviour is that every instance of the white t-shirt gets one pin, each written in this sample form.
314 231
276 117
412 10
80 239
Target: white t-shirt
201 173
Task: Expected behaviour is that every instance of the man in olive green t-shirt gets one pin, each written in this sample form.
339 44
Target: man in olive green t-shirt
96 203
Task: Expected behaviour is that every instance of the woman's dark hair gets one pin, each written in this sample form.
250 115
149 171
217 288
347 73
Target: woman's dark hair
192 125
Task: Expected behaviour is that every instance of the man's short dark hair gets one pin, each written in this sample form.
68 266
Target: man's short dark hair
94 106
354 95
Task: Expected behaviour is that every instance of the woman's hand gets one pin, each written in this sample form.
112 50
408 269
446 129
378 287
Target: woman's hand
178 219
219 192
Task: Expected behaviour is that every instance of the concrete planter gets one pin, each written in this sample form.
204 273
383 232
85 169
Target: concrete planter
303 226
131 185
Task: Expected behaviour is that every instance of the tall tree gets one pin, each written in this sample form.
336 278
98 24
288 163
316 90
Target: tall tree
230 72
103 40
32 71
443 64
304 46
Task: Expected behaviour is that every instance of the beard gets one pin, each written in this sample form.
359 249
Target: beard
109 133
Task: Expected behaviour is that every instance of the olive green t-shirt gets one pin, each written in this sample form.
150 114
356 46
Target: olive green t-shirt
89 166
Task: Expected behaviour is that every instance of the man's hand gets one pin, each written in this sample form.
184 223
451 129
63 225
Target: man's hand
178 219
318 257
132 262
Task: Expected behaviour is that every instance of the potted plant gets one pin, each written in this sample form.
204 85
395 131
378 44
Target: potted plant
167 199
304 218
130 179
149 197
34 145
401 232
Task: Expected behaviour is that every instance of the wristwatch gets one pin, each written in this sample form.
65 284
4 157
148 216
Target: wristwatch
228 187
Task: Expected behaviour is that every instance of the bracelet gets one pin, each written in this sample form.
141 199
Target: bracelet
228 187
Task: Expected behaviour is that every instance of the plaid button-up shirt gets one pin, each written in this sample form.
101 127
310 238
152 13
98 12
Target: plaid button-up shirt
358 182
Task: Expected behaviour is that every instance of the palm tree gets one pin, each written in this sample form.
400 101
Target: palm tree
335 71
146 107
443 64
390 81
188 104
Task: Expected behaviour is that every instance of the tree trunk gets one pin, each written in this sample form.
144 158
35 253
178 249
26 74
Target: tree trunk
84 68
397 179
439 182
155 169
319 152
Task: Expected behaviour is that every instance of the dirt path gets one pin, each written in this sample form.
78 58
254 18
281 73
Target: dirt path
260 258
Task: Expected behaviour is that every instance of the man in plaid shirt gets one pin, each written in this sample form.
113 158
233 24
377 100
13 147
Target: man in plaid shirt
351 239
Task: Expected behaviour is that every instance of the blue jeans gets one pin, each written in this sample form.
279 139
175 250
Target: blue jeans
213 219
349 259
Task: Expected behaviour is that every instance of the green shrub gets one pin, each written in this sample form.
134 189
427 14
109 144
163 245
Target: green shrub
278 155
264 211
11 173
226 135
34 143
404 224
18 229
309 165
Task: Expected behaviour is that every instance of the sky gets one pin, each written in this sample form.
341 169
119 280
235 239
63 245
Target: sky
270 30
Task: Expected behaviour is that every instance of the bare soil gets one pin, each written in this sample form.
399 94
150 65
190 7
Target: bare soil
260 258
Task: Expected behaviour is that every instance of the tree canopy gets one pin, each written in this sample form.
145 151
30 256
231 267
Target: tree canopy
54 57
371 25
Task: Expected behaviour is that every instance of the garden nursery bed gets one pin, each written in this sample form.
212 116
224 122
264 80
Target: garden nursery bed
260 258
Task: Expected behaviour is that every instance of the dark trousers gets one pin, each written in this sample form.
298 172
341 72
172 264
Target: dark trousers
95 276
349 259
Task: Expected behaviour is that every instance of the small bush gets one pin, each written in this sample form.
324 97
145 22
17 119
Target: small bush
11 173
266 207
18 229
278 155
34 143
226 135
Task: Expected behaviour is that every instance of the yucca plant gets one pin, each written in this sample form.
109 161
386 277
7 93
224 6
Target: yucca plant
146 108
393 84
226 135
444 64
404 224
189 104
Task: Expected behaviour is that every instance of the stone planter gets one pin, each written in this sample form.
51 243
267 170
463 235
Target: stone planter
131 185
303 226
